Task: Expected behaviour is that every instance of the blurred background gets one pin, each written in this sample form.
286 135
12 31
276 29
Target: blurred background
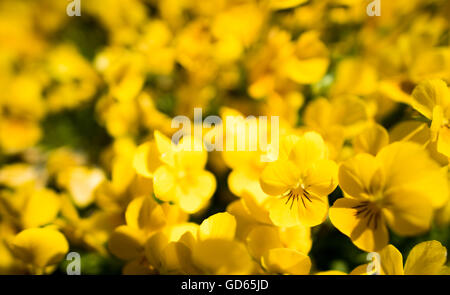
80 90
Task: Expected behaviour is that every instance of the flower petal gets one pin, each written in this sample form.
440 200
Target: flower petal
40 246
344 217
407 212
278 177
286 261
359 174
218 226
391 261
426 258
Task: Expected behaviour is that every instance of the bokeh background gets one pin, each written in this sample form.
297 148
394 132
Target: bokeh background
80 86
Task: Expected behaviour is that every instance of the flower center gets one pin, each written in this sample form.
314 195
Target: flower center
297 193
370 212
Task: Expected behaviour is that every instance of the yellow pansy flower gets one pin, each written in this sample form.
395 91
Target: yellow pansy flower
215 250
388 188
182 179
301 182
144 217
281 250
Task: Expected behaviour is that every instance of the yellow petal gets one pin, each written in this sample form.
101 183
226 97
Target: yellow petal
415 131
222 257
297 238
190 154
286 144
279 176
146 159
262 239
364 234
429 94
82 183
426 258
407 212
437 122
145 214
308 149
391 261
154 247
195 190
42 208
257 205
306 71
164 183
371 140
177 259
126 243
282 214
169 257
218 226
240 181
286 261
321 178
443 144
423 175
40 246
165 148
362 270
360 175
314 211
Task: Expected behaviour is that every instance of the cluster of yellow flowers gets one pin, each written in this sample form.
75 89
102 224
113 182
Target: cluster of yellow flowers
87 162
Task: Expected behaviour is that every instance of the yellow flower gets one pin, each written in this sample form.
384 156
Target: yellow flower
210 248
426 258
388 188
39 248
215 250
301 180
281 250
337 119
144 218
432 99
182 178
91 232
